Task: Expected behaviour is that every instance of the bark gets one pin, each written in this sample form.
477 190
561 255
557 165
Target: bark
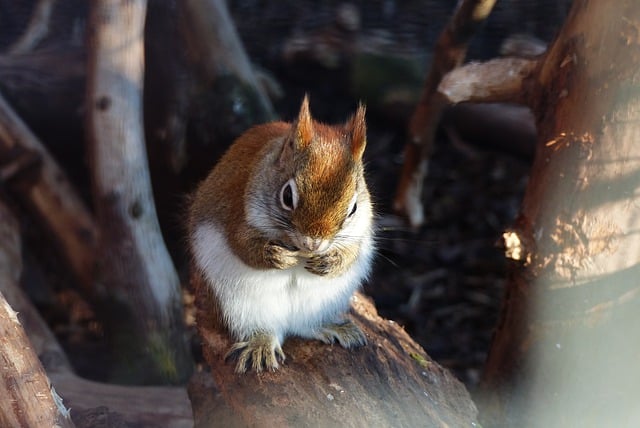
449 52
48 195
28 399
136 272
389 382
561 355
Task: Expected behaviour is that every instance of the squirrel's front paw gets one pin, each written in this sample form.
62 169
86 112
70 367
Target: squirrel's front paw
262 351
325 264
279 256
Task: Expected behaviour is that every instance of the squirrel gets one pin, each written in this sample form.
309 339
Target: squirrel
281 232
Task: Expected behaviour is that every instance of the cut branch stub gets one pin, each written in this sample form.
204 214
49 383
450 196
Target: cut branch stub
498 80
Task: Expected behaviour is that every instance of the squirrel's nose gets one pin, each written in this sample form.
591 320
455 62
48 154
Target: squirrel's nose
313 244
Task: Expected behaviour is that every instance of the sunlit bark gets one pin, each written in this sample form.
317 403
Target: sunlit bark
564 353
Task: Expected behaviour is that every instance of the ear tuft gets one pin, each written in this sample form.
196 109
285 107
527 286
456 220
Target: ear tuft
357 127
303 126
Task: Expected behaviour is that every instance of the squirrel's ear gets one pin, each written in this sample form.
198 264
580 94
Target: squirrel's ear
303 126
301 134
357 128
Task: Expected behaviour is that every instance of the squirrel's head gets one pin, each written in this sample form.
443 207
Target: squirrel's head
322 189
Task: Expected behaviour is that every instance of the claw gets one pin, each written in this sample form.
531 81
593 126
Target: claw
261 352
347 334
325 264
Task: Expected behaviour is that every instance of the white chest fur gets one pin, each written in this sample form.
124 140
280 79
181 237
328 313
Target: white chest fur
281 302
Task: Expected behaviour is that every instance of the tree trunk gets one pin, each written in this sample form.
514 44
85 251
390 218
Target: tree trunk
564 353
389 382
144 313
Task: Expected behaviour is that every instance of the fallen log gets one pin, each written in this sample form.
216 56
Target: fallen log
389 382
28 399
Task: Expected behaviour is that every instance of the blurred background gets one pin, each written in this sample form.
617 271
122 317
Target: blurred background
442 282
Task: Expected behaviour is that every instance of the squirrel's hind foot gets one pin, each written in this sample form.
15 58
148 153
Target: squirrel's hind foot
347 334
261 352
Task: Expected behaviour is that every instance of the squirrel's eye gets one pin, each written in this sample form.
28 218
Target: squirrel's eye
289 195
354 206
353 210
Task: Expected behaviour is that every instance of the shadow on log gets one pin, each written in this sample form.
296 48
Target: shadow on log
389 382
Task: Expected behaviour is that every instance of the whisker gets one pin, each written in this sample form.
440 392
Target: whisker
388 259
416 241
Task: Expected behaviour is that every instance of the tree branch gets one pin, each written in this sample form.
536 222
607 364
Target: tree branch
37 29
215 47
561 353
449 52
50 197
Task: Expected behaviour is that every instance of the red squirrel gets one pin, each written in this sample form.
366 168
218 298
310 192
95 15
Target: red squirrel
281 231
